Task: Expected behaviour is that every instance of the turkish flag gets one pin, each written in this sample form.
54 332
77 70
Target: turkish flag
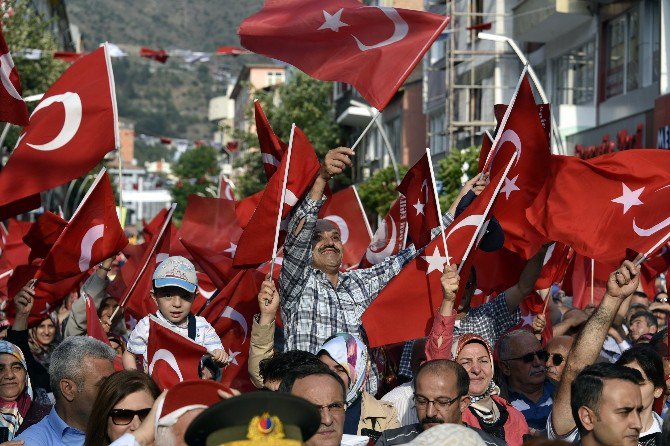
272 148
157 55
211 222
43 234
372 48
604 205
543 112
411 313
656 264
496 271
231 51
231 314
71 130
345 210
16 252
226 189
389 238
149 230
555 266
92 235
93 325
206 290
136 298
524 134
530 307
422 215
246 207
257 240
67 56
218 266
13 107
487 144
580 281
172 358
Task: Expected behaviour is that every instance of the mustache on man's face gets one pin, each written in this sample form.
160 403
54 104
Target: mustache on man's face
333 247
432 420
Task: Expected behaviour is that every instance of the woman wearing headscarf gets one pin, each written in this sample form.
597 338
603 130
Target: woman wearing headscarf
488 411
347 356
17 409
43 341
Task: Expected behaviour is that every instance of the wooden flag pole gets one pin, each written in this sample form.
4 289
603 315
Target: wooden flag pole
281 201
593 267
437 204
488 208
375 115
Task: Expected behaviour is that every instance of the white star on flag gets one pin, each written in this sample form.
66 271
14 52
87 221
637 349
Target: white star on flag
419 207
509 187
332 22
435 262
232 250
527 319
629 198
231 357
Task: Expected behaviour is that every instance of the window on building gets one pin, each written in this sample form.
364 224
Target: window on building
574 74
655 41
275 77
436 131
622 70
393 130
437 51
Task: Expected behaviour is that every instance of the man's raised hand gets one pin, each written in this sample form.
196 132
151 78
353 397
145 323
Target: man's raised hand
335 162
624 280
450 280
268 301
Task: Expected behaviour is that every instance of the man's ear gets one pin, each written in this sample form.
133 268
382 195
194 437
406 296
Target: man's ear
68 389
587 417
504 368
464 403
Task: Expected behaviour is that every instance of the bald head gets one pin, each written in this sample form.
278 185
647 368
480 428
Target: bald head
325 225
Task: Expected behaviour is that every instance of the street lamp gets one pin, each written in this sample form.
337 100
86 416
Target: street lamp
536 81
385 137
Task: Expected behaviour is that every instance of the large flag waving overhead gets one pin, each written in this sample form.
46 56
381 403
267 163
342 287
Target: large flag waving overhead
92 235
70 131
373 48
422 215
12 106
604 205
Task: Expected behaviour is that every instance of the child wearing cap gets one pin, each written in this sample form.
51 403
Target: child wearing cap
174 285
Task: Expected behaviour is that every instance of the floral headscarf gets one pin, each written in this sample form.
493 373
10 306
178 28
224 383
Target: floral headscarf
352 354
470 338
12 412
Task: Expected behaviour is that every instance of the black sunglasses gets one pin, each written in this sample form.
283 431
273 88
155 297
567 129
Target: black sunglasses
556 358
123 417
542 355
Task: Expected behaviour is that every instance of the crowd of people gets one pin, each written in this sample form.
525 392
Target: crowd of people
599 378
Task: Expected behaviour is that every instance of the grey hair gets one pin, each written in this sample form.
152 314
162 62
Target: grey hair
67 360
505 342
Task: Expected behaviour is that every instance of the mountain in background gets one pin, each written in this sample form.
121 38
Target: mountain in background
171 99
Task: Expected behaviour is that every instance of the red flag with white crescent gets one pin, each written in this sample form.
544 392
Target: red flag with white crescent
389 238
172 358
422 215
70 131
373 48
272 148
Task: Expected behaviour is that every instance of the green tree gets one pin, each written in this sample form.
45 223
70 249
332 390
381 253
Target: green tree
197 170
452 168
378 192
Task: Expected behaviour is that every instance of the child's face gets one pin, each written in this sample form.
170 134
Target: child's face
174 303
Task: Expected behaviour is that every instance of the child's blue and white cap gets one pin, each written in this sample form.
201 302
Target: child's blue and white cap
176 271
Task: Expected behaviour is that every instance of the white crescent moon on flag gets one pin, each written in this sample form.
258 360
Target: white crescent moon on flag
235 315
642 232
206 294
6 67
399 32
375 257
93 234
229 193
470 220
290 198
72 104
167 356
425 184
508 135
344 228
270 159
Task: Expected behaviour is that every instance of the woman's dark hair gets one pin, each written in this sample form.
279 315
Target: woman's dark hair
113 389
650 362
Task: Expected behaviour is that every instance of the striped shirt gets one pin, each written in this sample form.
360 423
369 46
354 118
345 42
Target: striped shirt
205 335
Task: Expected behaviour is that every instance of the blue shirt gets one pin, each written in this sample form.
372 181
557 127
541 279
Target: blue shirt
536 414
52 431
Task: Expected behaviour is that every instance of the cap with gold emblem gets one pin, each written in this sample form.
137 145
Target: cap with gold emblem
258 418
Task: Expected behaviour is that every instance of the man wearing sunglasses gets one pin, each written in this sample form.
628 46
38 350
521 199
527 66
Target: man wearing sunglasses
557 350
440 396
522 362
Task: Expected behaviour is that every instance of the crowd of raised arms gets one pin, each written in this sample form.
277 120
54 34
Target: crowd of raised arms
483 374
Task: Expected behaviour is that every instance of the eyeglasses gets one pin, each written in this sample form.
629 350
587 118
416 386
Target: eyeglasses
123 417
556 358
440 403
542 355
336 407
